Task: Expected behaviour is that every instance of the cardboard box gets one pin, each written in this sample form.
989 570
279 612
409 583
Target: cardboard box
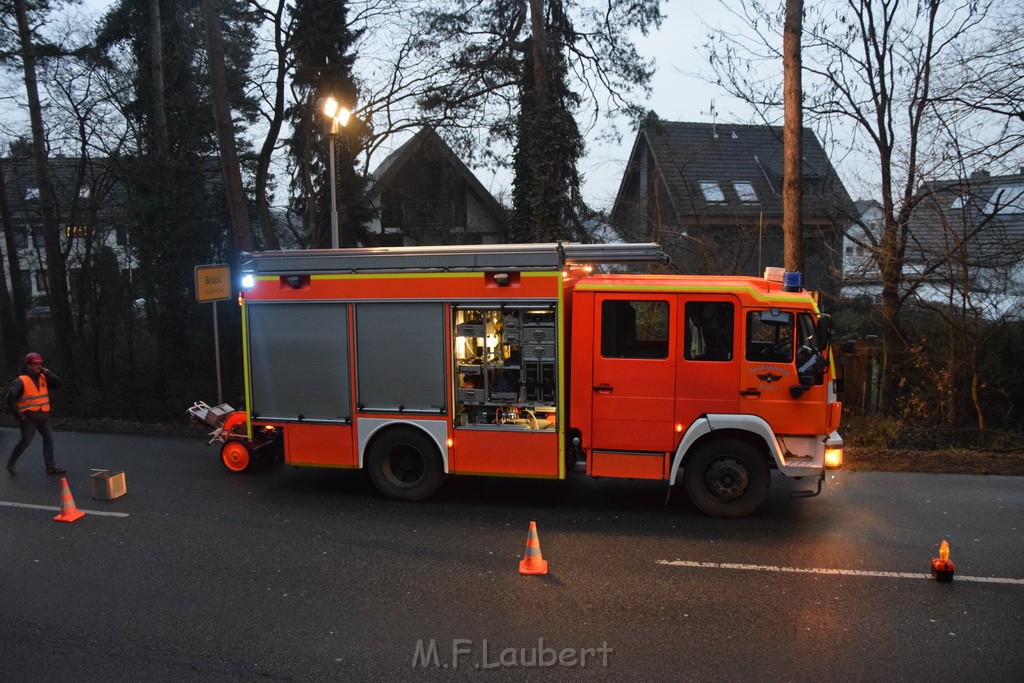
108 485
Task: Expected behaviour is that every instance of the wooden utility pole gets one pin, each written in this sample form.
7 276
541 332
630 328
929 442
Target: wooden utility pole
792 138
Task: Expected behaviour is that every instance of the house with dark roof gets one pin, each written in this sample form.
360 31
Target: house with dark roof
966 240
89 203
861 277
711 195
424 194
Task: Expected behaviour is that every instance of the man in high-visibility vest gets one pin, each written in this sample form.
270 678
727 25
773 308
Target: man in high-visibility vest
28 399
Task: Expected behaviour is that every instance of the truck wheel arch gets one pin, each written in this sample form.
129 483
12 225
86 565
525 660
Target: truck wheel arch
749 428
404 462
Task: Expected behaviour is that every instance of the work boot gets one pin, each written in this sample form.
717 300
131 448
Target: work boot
10 467
55 470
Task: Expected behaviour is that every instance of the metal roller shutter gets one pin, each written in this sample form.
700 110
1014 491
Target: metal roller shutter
400 356
298 360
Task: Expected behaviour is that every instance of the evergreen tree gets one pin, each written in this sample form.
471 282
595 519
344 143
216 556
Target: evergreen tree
523 70
546 200
323 58
177 203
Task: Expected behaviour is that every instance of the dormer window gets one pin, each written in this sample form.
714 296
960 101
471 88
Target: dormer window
745 191
1006 199
712 192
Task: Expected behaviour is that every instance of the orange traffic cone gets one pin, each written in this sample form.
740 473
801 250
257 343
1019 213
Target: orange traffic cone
68 511
533 562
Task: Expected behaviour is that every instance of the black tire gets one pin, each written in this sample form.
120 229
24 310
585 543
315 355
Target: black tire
727 478
404 464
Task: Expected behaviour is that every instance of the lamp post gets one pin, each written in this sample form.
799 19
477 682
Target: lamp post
335 116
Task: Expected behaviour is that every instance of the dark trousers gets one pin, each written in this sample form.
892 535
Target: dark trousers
28 430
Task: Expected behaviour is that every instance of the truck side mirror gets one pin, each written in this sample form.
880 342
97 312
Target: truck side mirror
823 332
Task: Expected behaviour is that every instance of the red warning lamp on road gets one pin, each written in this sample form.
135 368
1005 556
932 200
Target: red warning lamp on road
942 566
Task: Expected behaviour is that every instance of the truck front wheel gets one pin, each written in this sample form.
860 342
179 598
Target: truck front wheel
405 464
727 478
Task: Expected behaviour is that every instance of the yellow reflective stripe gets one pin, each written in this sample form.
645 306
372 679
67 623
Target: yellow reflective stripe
735 289
246 380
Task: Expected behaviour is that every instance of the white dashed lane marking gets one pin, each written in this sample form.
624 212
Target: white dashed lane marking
102 513
830 572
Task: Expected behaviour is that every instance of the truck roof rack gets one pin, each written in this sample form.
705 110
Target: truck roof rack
545 256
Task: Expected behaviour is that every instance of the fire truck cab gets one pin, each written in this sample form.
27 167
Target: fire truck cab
418 363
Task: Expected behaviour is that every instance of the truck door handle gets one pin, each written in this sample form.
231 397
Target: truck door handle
752 393
604 388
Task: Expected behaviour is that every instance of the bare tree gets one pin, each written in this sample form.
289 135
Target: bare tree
55 269
219 99
869 77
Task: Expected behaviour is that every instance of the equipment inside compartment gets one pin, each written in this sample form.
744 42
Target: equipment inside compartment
505 366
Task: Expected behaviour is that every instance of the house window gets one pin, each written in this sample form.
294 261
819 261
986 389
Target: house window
746 192
31 193
37 239
1006 199
712 192
41 281
20 237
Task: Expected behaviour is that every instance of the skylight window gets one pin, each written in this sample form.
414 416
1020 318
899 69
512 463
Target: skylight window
712 192
1006 199
745 191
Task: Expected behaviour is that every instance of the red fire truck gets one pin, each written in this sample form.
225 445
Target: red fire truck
418 363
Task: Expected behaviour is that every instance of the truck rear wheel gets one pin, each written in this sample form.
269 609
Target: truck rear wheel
405 464
236 457
727 478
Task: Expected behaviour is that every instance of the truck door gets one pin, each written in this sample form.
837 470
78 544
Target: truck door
710 358
774 341
634 373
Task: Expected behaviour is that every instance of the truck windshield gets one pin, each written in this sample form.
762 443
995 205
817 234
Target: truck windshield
770 336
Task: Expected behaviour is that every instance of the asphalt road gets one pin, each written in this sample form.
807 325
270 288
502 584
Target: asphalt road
303 574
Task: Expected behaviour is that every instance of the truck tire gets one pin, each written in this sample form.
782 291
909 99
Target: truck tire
404 464
236 456
727 478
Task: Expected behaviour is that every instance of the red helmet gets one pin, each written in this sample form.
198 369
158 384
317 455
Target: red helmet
33 358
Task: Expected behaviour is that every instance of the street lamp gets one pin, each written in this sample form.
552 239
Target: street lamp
335 116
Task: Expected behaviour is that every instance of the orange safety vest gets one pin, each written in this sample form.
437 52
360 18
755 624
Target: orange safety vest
33 397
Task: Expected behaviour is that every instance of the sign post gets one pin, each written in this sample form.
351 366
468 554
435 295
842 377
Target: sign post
213 284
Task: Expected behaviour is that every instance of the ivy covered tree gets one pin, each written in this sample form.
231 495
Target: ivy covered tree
322 58
522 71
546 201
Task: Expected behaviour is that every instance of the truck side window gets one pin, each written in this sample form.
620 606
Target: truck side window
634 329
708 331
770 336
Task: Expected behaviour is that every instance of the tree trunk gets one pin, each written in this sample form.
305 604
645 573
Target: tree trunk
267 231
225 129
55 271
156 67
12 301
792 138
